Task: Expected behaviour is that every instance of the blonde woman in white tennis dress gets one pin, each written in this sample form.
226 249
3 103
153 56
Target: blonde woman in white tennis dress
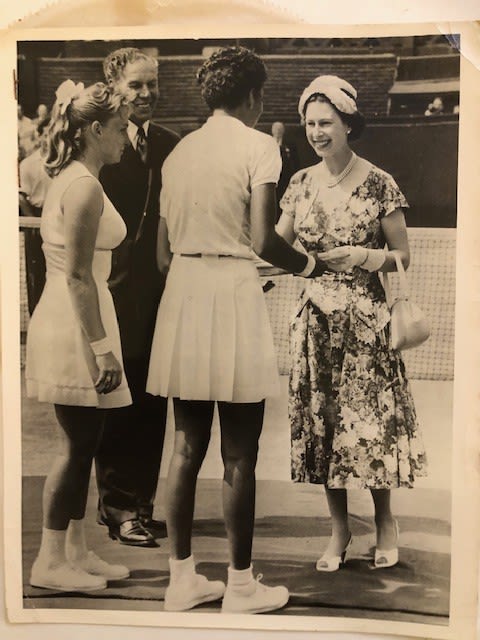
74 355
213 341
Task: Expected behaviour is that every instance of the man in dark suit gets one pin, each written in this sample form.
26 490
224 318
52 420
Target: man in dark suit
128 459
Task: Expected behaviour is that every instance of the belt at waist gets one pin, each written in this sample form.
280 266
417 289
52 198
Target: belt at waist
211 255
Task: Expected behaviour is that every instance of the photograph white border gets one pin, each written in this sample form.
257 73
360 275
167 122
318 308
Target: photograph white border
465 480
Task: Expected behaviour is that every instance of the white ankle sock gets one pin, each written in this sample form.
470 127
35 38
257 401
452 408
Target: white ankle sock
238 578
180 569
76 543
52 547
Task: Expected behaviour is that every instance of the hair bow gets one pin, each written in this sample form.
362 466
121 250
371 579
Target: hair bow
338 91
66 92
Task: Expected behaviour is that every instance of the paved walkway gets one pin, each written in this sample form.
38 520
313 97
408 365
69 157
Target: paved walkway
292 528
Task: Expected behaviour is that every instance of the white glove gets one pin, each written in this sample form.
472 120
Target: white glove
349 256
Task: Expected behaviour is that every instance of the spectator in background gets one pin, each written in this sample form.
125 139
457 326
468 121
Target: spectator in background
27 135
34 183
456 109
435 108
34 180
289 158
278 131
42 114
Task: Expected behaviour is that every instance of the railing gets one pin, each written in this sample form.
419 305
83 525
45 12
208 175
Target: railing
431 279
27 222
428 67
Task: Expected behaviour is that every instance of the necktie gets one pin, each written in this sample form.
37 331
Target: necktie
142 144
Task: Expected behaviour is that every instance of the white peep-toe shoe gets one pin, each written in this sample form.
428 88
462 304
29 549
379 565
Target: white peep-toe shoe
385 559
333 563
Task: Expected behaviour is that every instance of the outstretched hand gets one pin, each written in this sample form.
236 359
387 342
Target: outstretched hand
343 258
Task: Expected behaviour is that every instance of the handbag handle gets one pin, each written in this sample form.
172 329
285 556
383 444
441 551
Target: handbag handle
402 278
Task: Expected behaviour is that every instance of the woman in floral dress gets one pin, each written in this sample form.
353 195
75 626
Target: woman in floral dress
351 409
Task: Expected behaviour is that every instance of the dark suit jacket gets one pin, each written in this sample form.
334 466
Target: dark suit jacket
289 166
135 282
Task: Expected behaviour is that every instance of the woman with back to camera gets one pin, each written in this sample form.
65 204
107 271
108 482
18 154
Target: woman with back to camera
73 346
351 410
213 340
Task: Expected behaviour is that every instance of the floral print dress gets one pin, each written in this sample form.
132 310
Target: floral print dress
353 421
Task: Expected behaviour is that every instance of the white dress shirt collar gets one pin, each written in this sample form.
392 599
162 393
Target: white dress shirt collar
132 129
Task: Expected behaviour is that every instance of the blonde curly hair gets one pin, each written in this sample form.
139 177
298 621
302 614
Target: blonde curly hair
65 136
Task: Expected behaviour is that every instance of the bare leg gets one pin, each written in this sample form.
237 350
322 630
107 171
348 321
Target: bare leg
64 500
241 426
187 588
66 487
338 506
193 421
384 520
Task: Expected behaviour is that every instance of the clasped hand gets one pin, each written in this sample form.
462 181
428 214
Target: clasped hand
343 258
109 373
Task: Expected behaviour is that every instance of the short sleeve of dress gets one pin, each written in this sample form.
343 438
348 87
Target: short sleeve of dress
163 203
164 199
266 163
392 198
291 194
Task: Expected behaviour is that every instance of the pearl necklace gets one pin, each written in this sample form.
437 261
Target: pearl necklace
341 176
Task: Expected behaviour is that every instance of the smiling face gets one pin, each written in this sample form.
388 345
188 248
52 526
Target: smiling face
325 130
139 84
114 136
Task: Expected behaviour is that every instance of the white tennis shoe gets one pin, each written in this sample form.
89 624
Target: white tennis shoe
94 565
191 591
254 597
65 577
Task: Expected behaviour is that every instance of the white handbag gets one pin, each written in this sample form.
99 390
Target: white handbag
408 326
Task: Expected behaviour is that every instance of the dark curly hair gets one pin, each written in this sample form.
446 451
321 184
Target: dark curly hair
229 75
115 63
356 121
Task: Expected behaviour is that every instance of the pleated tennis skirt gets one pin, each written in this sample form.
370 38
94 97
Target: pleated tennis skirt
213 339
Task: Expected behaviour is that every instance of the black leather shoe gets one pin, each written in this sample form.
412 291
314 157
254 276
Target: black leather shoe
157 527
133 533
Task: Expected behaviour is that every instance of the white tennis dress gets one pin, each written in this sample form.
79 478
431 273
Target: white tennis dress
59 358
213 339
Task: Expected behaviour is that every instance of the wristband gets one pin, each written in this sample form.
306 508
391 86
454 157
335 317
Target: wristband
375 259
101 347
309 267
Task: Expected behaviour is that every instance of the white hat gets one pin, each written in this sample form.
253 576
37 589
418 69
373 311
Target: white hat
338 91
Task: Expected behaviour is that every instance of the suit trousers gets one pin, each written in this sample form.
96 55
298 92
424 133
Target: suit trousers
129 455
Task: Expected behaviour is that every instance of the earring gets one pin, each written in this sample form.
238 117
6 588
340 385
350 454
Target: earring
349 130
